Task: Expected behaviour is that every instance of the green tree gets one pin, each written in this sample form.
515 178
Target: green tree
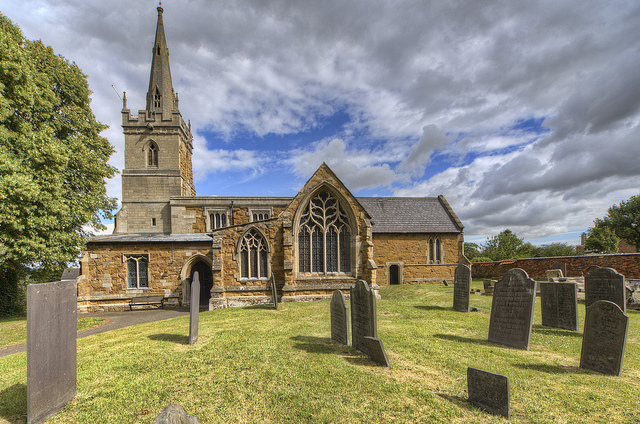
53 161
506 245
624 220
471 250
553 250
601 238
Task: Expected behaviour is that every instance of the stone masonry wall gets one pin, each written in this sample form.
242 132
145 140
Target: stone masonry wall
626 264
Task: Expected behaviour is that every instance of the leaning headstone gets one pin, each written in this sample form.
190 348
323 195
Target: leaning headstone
376 351
489 391
461 288
604 338
175 414
52 327
339 318
562 267
363 315
274 293
559 305
512 310
604 284
194 315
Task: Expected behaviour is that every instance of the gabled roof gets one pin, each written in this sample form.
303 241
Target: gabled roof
411 215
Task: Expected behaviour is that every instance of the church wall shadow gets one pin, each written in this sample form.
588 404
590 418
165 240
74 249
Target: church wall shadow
175 338
13 404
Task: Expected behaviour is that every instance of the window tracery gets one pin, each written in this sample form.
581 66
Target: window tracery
254 256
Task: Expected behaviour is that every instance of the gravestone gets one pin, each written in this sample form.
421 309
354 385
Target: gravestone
512 310
274 293
363 315
339 318
175 414
553 274
194 315
489 391
52 327
562 267
604 284
559 305
461 288
488 284
604 338
376 351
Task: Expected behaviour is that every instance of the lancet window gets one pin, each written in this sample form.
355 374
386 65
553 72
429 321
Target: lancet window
253 255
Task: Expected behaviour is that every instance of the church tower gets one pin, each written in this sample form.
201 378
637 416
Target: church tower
158 149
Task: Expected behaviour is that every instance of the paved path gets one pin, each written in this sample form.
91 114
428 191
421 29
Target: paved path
114 321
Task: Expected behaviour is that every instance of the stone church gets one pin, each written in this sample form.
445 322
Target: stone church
320 240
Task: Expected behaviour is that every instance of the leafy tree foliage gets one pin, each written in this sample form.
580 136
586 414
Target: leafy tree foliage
53 161
506 245
624 220
471 250
554 249
601 238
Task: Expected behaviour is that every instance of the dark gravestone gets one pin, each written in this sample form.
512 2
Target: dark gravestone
339 318
512 310
175 414
489 391
52 327
604 284
363 315
604 338
562 267
376 351
461 288
274 293
194 316
559 305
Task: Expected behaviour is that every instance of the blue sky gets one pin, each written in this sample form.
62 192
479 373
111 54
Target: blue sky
524 115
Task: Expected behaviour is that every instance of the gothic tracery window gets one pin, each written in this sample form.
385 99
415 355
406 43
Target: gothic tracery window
152 155
137 272
324 236
253 255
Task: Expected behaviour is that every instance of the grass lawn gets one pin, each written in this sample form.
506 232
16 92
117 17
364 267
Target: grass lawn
14 330
255 365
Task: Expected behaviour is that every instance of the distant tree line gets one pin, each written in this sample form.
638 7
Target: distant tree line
507 245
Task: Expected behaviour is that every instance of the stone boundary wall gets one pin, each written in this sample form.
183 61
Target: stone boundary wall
627 264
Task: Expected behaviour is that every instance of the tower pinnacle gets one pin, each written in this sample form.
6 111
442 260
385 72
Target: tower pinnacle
160 97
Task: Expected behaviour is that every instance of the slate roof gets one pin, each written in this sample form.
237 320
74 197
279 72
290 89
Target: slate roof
152 238
411 215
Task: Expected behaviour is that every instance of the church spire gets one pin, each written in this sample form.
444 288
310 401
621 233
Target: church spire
160 97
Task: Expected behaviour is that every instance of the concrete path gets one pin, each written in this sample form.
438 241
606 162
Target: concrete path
114 321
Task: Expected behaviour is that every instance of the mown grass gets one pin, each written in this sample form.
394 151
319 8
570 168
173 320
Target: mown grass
14 330
259 365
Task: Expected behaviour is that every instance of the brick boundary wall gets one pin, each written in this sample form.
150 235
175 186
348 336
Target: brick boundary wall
627 264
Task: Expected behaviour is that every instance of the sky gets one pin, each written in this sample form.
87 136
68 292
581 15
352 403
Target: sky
524 115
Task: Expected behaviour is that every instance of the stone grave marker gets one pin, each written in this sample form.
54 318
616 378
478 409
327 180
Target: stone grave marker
194 315
512 310
604 284
339 318
604 338
175 414
488 285
274 292
562 267
553 274
489 391
376 351
461 288
363 315
559 305
52 327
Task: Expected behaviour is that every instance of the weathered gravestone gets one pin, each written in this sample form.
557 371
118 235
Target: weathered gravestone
339 318
175 414
376 351
559 305
194 315
512 310
461 288
363 315
604 284
489 391
562 267
274 292
52 327
553 274
604 338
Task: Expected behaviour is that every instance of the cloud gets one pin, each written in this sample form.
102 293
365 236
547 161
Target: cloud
432 140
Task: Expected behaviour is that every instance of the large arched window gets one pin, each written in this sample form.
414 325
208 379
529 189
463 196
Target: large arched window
324 236
253 255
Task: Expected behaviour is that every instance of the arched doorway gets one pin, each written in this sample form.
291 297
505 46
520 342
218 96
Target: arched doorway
206 280
394 274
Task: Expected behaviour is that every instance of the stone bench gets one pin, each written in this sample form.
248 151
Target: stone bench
147 300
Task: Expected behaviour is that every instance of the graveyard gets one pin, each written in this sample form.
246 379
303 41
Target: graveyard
259 364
